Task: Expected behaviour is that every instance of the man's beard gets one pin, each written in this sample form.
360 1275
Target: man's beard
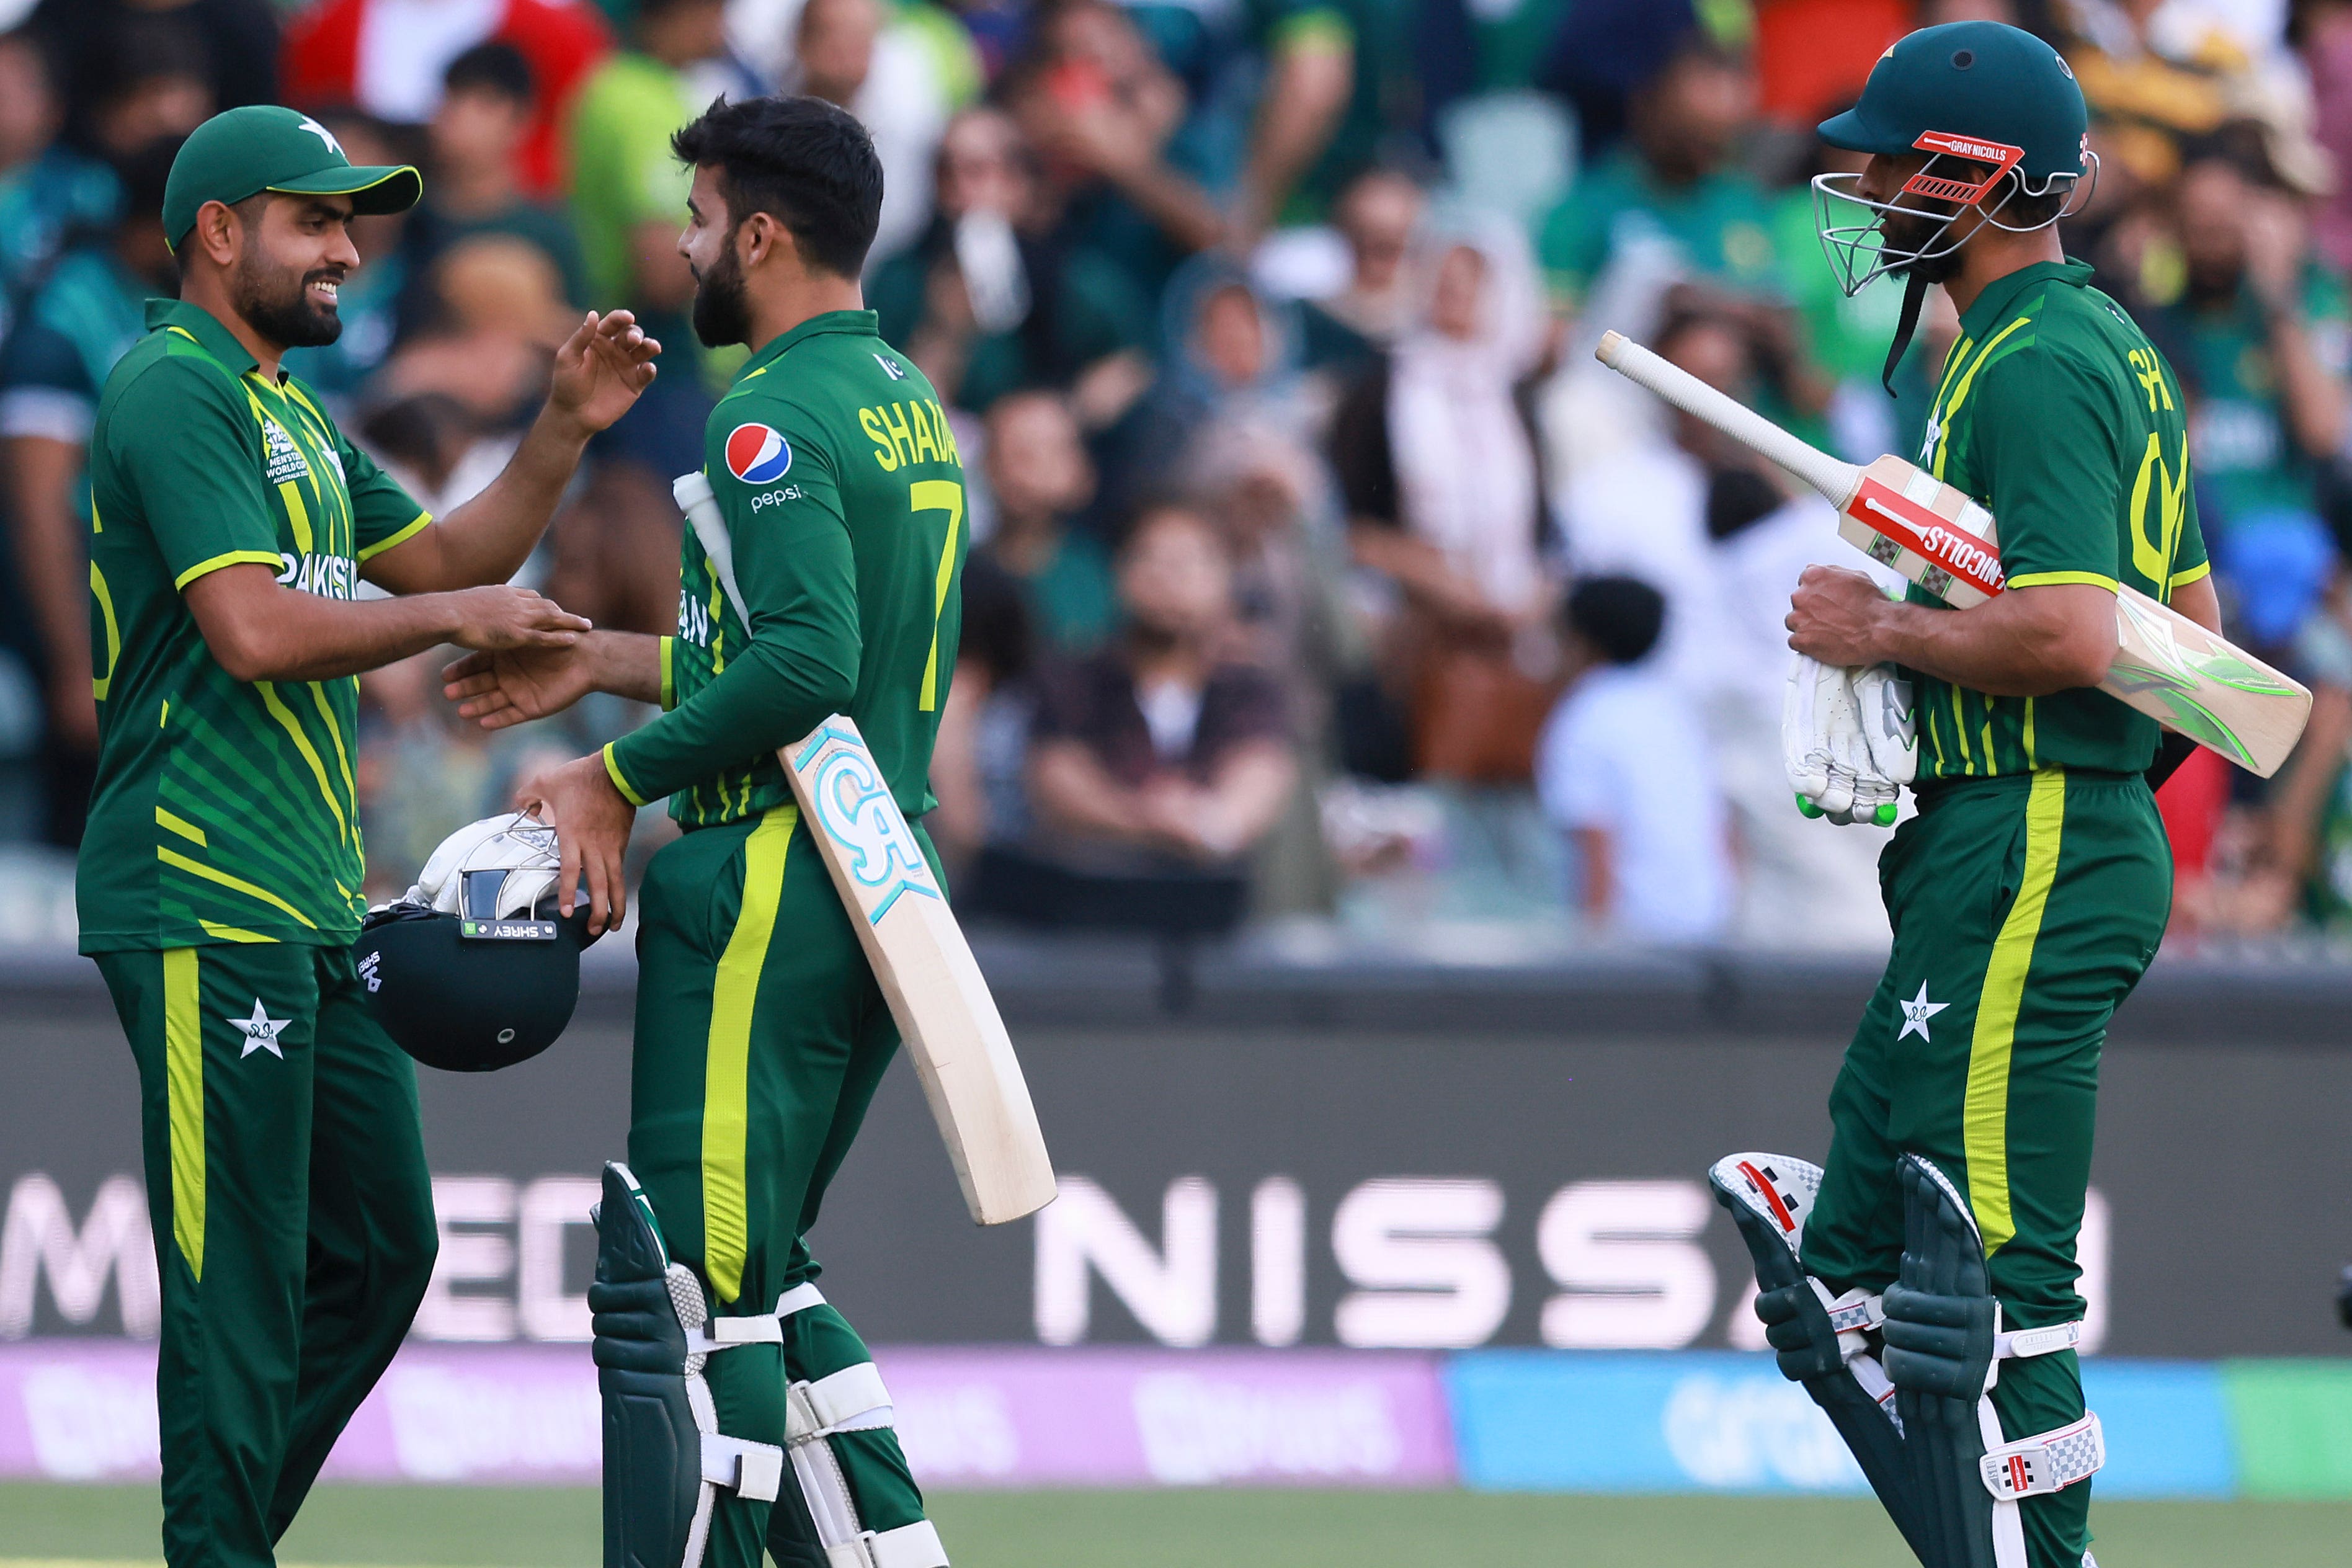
1907 232
285 316
722 313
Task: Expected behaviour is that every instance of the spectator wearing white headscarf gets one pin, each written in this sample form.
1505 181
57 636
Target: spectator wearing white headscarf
1437 460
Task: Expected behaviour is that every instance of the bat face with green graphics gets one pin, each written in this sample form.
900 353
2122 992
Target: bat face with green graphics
2167 665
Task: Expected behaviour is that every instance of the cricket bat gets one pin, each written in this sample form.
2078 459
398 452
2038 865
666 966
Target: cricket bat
945 1015
2167 665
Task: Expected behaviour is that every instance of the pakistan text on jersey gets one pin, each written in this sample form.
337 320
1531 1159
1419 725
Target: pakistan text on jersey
905 433
329 576
693 619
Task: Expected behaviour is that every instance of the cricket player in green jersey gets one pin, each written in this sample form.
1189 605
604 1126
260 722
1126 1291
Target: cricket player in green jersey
761 1031
219 877
1930 1305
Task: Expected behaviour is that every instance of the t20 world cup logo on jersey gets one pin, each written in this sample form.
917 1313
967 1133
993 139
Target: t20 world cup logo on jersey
758 454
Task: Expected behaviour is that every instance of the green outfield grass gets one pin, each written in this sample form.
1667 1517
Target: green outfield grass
467 1527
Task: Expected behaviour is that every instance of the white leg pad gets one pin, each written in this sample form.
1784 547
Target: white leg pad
2036 1466
754 1470
915 1545
852 1400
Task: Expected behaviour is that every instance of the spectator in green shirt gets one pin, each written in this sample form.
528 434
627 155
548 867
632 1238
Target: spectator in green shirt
993 300
1038 476
628 200
628 193
1678 177
46 189
84 316
2257 326
477 132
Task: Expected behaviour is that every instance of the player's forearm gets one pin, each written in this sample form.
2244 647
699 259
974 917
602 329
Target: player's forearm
1250 791
768 696
48 546
1312 79
288 634
1077 792
2025 642
625 664
2314 400
1600 880
487 539
1181 209
2199 603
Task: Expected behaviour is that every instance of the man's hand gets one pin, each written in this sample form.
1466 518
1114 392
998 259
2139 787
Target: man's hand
503 686
592 822
507 617
600 370
1838 617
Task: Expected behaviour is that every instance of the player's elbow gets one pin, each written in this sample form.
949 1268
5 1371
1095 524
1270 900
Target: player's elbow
2079 654
2063 634
244 649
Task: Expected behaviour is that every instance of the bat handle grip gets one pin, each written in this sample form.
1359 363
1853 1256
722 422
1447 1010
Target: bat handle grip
1837 480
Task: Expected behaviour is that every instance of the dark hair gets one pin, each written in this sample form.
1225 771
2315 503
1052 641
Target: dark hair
1621 617
805 163
494 66
144 173
143 47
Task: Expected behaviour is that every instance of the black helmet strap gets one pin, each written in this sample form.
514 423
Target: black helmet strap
1915 293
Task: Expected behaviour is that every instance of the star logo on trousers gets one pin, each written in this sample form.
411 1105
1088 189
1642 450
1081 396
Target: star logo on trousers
260 1031
1917 1012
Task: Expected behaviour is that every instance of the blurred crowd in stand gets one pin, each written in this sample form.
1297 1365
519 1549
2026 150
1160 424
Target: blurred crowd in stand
1319 574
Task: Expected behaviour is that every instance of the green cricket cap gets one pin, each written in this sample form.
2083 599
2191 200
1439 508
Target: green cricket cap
261 147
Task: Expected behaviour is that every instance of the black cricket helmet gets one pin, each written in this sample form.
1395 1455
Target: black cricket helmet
472 970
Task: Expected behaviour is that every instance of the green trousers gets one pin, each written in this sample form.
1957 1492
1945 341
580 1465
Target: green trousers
293 1219
2024 908
760 1038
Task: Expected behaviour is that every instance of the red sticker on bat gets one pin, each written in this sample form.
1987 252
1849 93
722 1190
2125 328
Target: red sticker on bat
1889 511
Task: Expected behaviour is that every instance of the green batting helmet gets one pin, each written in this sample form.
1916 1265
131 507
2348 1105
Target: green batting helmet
474 970
1998 113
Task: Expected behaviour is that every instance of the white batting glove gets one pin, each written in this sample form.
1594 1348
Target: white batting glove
1846 740
1883 699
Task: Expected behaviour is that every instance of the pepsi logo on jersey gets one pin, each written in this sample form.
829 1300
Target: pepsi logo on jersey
758 454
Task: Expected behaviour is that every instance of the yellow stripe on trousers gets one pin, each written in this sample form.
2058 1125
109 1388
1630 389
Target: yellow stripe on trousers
184 1098
727 1064
1985 1120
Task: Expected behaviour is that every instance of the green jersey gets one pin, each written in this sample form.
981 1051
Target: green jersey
844 498
1721 225
2055 412
223 810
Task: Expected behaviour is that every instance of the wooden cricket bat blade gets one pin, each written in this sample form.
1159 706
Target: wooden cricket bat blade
947 1019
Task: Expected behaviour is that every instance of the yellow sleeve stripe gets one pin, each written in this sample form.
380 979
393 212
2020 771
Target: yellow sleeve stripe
2181 579
173 857
614 768
232 558
181 825
233 933
2043 579
424 520
668 675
